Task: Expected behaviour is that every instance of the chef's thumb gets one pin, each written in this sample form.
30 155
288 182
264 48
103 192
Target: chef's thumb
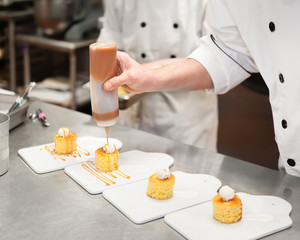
113 83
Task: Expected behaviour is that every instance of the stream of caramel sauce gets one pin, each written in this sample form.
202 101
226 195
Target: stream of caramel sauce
107 133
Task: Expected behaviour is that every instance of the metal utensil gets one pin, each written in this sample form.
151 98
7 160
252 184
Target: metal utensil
42 117
19 101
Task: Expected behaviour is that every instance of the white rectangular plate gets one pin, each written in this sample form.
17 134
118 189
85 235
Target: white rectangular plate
262 215
189 189
133 166
43 159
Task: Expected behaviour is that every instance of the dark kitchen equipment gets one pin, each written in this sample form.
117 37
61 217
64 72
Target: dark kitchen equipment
6 3
67 18
55 16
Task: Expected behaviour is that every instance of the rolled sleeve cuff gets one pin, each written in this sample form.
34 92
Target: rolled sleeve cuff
225 73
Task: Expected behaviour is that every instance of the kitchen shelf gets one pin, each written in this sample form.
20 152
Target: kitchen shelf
64 46
11 17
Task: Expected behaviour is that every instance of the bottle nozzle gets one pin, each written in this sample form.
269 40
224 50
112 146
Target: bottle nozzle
106 123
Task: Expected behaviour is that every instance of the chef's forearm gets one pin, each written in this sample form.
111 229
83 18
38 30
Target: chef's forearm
187 74
162 62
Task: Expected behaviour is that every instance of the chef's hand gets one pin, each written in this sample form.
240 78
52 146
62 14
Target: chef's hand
166 75
132 76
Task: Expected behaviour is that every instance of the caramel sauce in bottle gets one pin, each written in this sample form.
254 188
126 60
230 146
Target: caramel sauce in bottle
103 65
103 60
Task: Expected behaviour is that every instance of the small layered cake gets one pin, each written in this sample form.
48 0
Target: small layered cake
160 185
107 158
227 206
65 141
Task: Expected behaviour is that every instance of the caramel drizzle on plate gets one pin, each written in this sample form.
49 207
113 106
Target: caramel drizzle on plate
110 174
91 168
118 171
77 153
97 174
91 165
84 151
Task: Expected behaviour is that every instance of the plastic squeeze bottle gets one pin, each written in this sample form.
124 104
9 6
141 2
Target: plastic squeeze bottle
103 65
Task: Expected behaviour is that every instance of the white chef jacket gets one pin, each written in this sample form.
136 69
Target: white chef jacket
153 29
261 36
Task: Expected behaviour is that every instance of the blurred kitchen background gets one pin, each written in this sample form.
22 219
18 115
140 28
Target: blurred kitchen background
46 41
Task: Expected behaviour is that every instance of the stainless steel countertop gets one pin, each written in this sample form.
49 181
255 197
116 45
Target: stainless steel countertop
53 206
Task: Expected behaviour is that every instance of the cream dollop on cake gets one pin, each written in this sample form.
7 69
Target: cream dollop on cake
226 193
163 173
109 148
64 132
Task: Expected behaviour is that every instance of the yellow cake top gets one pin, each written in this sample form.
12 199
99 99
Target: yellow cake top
235 201
158 181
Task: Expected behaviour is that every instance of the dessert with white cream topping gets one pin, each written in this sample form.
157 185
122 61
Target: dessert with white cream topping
227 206
160 185
65 141
107 158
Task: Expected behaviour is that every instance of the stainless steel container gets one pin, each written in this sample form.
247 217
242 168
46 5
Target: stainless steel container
55 16
17 116
4 143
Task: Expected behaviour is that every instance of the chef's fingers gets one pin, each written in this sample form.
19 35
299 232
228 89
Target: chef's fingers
126 70
129 89
123 60
114 82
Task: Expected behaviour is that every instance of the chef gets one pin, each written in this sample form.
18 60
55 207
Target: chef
150 30
246 36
